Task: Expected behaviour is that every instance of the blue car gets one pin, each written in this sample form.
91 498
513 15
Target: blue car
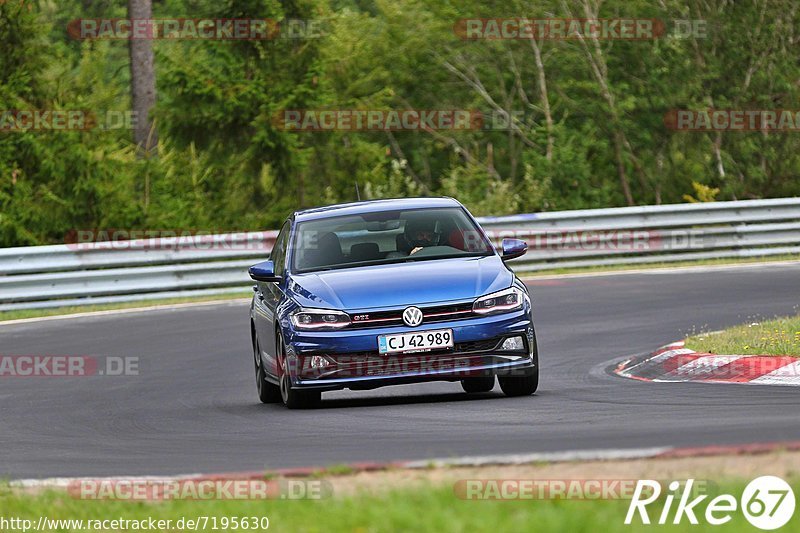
367 294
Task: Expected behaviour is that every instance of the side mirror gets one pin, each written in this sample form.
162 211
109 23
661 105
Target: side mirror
264 271
513 248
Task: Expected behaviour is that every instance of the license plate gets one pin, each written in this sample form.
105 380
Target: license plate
419 341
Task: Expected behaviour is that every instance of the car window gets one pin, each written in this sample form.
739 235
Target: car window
385 237
278 255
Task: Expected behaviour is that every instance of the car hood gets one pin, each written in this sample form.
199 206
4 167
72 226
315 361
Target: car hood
401 284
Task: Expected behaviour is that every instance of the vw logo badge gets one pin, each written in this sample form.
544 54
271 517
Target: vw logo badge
412 316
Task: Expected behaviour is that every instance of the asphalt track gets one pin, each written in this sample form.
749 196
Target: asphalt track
193 406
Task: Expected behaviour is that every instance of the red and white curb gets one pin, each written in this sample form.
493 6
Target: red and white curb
676 363
624 454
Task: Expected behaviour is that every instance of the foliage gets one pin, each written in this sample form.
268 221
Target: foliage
587 130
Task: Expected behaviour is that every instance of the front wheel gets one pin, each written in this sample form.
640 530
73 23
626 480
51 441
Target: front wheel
479 384
293 398
267 392
524 385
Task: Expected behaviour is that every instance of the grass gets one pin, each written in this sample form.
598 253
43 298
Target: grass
430 508
334 470
780 336
55 311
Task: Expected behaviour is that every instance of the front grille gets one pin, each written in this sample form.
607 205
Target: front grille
440 313
477 346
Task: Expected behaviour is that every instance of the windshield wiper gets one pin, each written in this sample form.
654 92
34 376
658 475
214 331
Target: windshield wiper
449 256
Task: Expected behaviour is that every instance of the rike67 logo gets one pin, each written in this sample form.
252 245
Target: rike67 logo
767 503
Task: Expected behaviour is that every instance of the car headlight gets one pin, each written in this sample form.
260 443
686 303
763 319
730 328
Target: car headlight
499 302
319 319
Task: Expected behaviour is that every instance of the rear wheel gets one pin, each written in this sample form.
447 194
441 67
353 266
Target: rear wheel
481 384
293 398
267 392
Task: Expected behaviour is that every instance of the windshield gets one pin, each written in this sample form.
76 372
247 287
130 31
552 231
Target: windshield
386 237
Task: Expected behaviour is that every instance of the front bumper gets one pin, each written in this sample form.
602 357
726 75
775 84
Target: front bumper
353 361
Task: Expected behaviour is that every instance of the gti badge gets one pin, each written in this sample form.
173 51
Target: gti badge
412 316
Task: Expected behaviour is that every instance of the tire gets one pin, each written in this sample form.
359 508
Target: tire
293 398
526 384
520 385
267 392
481 384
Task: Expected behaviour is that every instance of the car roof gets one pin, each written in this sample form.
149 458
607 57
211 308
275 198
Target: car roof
372 206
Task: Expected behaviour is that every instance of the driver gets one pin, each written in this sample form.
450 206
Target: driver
420 234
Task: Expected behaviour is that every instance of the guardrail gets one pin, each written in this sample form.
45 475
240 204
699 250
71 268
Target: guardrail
95 273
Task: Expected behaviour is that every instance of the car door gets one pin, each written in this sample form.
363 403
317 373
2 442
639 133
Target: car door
268 296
